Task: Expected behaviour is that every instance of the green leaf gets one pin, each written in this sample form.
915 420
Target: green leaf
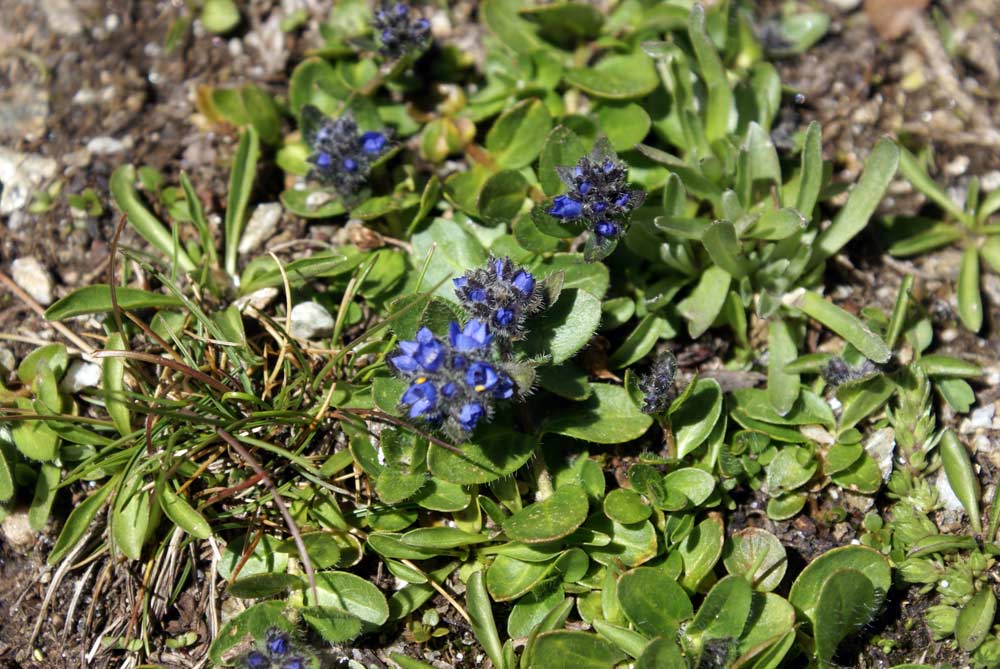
516 138
844 324
457 250
631 545
54 356
501 18
481 613
720 97
34 439
502 197
126 197
626 506
347 592
441 538
608 417
264 559
694 414
508 578
532 609
312 203
653 601
616 76
724 248
693 483
700 551
565 327
847 602
782 386
46 486
703 305
565 649
976 619
758 556
811 171
96 299
7 479
661 654
563 147
970 301
183 514
563 22
917 175
961 476
241 178
639 342
259 586
957 392
220 16
78 523
263 112
130 521
552 518
490 456
945 365
624 124
627 640
725 610
332 624
113 385
805 593
565 380
879 170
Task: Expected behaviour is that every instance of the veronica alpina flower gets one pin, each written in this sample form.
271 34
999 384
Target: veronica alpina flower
598 197
397 34
453 382
657 386
500 294
341 156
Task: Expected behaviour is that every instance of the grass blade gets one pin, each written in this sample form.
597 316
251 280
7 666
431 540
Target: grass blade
125 195
844 324
241 180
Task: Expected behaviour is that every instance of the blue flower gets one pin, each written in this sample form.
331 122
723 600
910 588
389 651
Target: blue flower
563 206
277 642
524 282
421 397
583 188
398 35
504 388
473 337
470 414
481 376
460 282
448 389
372 142
477 295
622 200
504 317
350 164
323 159
294 663
606 229
256 660
426 353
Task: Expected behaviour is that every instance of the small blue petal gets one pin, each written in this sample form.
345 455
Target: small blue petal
524 282
477 295
420 397
564 206
504 317
424 335
459 361
401 9
460 282
498 267
372 143
504 389
422 24
606 229
277 644
257 660
584 187
294 663
481 376
608 166
622 200
404 363
578 171
409 347
350 165
323 159
448 389
472 337
598 207
470 414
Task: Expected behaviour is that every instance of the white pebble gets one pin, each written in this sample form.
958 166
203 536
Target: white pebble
310 321
32 276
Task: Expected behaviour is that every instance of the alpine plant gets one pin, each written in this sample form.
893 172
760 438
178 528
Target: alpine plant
598 197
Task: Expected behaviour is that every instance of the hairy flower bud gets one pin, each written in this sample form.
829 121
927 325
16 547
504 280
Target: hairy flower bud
397 35
341 155
502 295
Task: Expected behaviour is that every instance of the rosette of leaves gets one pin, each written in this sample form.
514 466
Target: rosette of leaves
972 227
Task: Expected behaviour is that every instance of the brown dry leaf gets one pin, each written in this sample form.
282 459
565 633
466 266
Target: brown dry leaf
893 18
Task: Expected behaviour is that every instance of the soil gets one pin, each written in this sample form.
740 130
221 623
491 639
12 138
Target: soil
92 70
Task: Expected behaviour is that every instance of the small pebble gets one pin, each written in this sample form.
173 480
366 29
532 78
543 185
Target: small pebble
261 227
17 530
80 374
32 276
107 145
310 321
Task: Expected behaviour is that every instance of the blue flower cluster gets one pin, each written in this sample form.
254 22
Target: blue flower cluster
397 35
275 653
453 382
502 295
598 196
341 156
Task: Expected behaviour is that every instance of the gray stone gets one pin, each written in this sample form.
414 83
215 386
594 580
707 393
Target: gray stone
310 321
105 146
80 374
261 227
32 276
880 446
17 530
63 17
21 175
